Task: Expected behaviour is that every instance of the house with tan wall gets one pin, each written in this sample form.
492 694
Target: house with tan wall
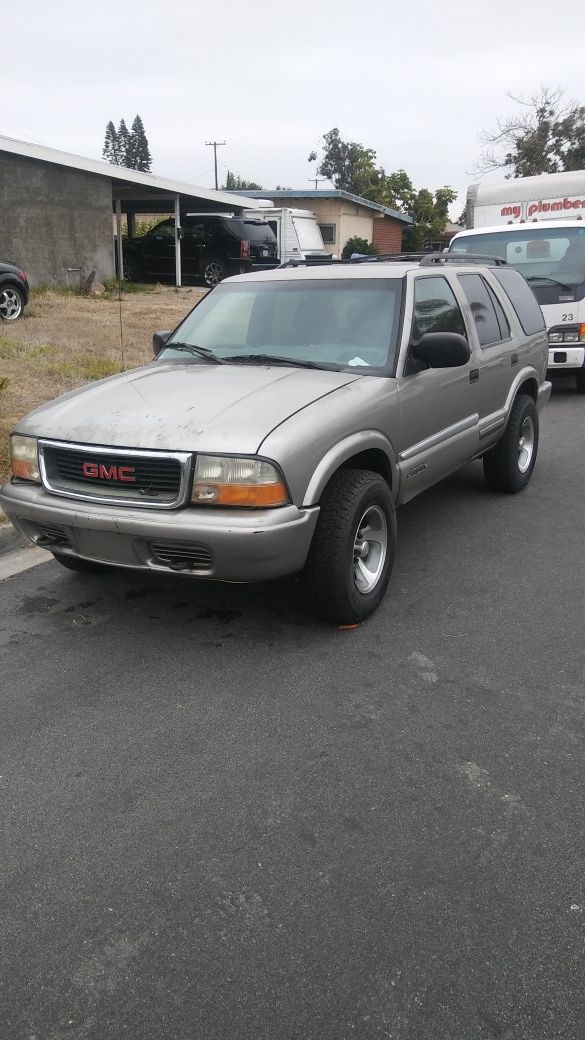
342 215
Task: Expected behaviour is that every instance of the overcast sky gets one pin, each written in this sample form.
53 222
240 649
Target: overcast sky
415 81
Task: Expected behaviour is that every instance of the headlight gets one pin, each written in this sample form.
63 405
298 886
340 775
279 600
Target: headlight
571 337
24 457
246 482
555 337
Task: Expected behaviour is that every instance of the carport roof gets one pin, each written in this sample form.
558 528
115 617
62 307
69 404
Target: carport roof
125 183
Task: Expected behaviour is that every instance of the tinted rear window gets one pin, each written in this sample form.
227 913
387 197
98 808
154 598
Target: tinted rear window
522 298
250 230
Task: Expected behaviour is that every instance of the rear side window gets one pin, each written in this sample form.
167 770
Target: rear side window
435 308
483 307
522 299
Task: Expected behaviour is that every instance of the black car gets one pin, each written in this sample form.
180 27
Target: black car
212 247
13 291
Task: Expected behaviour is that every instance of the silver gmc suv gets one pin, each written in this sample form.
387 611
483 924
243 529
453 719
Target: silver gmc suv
283 421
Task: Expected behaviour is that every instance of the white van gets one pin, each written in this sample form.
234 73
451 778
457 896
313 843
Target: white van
550 252
297 232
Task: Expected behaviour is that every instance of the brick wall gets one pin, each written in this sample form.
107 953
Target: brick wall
387 235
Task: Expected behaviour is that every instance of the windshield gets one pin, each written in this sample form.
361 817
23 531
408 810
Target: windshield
326 323
542 255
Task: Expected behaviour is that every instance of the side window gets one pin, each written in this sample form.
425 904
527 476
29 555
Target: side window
435 308
482 308
502 319
522 299
196 232
163 232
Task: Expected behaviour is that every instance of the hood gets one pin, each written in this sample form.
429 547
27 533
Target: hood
184 407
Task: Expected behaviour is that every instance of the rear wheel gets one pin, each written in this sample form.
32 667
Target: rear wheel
75 563
213 273
352 552
11 302
581 381
508 467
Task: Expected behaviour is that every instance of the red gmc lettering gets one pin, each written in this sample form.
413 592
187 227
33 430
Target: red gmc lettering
101 472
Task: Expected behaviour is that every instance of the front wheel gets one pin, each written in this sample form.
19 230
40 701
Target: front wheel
353 548
11 302
508 466
213 273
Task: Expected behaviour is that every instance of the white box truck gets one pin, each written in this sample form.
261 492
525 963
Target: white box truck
297 232
537 224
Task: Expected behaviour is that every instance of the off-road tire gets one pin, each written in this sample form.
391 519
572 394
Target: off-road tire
502 465
328 576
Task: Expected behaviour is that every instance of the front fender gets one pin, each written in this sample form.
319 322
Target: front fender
366 440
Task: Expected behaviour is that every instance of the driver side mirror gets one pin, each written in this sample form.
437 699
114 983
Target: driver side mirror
442 350
158 341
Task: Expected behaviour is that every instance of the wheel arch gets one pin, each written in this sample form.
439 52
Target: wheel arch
369 449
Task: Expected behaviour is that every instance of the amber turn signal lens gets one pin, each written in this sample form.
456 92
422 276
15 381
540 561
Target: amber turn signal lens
244 495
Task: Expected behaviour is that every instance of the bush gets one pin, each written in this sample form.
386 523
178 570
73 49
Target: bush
358 245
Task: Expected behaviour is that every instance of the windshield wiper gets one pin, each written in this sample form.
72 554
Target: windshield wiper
546 278
272 359
192 348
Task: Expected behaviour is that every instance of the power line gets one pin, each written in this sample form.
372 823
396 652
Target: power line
215 145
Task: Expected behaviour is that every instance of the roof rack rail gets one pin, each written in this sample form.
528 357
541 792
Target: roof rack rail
432 259
423 259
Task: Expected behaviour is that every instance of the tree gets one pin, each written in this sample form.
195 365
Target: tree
110 150
127 148
233 182
138 155
546 135
358 245
347 164
352 167
123 138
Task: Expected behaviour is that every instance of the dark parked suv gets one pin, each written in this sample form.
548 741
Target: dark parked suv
212 247
13 291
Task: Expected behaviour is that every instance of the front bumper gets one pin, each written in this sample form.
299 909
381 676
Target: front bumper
566 356
241 546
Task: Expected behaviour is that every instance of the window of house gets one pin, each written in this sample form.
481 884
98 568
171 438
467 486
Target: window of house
329 233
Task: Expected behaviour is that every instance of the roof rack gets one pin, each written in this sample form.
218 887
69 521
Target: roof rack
423 259
430 259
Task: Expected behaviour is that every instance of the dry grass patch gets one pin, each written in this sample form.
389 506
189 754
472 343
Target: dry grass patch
65 340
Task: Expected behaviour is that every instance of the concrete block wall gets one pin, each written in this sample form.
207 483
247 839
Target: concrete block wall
387 235
53 218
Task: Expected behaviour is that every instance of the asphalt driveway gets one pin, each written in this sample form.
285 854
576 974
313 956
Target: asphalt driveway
223 819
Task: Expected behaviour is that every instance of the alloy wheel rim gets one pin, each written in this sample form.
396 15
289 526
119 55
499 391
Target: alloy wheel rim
526 444
370 548
10 304
213 274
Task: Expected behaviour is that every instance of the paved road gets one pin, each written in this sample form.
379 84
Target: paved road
225 820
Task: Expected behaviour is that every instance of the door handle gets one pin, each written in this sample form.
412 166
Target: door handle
474 375
514 360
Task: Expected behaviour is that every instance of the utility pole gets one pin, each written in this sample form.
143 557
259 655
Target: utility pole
316 181
215 145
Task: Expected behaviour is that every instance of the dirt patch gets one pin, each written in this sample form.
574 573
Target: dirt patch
65 340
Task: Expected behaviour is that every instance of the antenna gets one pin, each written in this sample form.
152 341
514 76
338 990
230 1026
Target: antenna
215 145
316 180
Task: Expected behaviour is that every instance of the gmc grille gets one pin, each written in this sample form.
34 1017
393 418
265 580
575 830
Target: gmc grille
146 478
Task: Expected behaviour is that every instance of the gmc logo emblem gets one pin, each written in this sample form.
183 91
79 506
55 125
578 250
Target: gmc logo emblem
97 471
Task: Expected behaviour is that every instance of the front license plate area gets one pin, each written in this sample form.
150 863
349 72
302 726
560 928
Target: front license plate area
105 547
